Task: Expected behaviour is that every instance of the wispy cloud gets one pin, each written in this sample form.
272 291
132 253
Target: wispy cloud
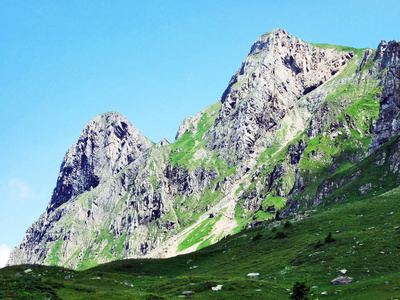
4 255
19 190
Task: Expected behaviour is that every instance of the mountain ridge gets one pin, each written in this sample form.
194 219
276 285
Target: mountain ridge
292 116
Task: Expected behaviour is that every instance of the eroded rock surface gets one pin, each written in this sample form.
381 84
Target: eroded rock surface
106 145
279 70
388 124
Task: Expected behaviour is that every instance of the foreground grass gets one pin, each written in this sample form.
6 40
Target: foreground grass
366 242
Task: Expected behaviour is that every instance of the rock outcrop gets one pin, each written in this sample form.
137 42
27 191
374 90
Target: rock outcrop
388 124
279 70
107 144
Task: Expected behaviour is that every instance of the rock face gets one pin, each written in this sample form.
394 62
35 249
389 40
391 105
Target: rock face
388 124
293 129
106 145
279 70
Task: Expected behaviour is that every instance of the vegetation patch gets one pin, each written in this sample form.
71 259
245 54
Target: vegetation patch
198 234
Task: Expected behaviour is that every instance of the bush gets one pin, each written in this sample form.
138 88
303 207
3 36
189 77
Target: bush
257 237
288 224
280 235
329 238
300 291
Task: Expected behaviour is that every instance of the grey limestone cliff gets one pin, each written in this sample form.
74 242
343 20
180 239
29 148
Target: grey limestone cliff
388 124
106 145
279 70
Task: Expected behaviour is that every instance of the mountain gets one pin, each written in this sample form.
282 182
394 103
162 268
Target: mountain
299 125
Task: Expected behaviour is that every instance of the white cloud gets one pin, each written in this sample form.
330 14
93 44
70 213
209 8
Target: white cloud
4 254
19 190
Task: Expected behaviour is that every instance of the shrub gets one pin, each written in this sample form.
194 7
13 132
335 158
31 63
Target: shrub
300 291
257 237
280 235
329 238
287 224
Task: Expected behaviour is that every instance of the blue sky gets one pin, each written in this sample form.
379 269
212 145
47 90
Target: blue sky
64 62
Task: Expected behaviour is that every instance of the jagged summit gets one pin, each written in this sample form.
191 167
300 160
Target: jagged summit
264 40
163 142
108 143
279 70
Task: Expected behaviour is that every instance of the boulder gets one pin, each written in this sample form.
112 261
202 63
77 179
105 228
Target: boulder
342 280
217 288
187 293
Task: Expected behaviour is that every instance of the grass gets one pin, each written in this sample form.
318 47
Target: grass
184 149
55 252
365 241
337 47
374 172
199 234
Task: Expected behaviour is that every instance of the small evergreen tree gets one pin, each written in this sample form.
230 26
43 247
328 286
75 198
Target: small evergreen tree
329 238
277 216
280 235
300 291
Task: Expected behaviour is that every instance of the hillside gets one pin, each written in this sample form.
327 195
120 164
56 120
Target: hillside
365 243
297 127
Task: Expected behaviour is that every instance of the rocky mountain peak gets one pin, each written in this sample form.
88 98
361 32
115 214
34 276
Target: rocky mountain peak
163 142
277 57
107 144
279 70
269 39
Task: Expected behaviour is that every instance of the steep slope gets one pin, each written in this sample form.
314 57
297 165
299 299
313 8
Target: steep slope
294 116
388 124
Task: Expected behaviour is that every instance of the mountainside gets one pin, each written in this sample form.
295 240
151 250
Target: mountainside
295 128
283 252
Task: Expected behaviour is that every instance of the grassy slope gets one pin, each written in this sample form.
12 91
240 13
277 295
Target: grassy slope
366 235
